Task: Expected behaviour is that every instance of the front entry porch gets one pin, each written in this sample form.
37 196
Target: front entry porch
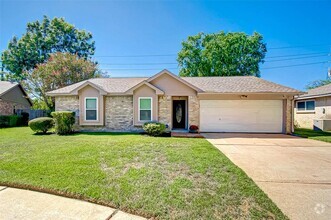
179 113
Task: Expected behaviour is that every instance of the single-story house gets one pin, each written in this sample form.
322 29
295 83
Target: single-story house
215 104
12 97
316 104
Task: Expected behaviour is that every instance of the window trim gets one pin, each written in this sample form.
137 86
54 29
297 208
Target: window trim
97 109
305 101
151 98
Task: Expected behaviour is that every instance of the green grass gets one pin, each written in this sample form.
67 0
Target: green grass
165 178
316 135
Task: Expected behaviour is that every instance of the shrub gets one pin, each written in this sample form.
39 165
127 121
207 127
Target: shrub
10 121
42 124
4 121
64 121
154 128
14 120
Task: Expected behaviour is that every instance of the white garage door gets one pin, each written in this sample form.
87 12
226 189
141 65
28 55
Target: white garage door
241 116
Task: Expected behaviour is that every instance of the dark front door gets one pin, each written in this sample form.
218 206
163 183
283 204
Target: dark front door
179 114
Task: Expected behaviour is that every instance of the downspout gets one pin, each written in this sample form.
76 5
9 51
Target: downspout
292 112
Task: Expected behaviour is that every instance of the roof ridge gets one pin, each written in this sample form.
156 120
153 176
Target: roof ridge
217 84
214 76
120 77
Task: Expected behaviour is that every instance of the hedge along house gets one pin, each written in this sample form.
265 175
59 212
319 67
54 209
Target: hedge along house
215 104
12 97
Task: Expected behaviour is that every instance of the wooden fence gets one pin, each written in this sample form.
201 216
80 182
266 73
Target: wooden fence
33 113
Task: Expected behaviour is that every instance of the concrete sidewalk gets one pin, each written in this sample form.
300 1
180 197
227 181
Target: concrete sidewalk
26 204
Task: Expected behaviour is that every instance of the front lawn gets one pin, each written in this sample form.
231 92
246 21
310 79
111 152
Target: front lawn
165 178
316 135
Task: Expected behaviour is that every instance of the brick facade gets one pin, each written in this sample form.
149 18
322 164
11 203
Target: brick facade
7 108
119 113
164 107
193 110
288 116
67 103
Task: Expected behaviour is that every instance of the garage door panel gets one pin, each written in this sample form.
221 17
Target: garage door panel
241 116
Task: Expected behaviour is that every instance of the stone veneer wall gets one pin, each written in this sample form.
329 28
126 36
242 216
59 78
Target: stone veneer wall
193 110
67 103
289 114
165 110
119 113
7 108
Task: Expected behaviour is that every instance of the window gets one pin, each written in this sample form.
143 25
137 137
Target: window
91 109
145 109
306 105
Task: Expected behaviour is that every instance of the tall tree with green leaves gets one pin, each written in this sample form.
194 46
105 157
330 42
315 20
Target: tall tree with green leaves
222 54
60 70
41 39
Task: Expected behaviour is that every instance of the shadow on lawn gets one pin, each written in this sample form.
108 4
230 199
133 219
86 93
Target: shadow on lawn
43 134
104 133
308 133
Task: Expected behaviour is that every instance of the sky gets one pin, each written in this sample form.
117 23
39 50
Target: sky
140 38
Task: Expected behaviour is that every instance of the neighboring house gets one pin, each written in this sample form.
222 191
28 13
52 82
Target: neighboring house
316 104
215 104
12 97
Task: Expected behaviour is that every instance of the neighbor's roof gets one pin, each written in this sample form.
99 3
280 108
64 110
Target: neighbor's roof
5 86
317 92
231 84
237 84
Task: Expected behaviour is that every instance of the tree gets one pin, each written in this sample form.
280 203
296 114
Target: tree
40 40
222 54
61 69
318 83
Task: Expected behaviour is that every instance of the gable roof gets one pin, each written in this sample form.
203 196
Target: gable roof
110 85
238 84
6 86
75 91
317 92
175 77
157 90
230 84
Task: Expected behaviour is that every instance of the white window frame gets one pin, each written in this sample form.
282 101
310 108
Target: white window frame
145 109
305 101
97 108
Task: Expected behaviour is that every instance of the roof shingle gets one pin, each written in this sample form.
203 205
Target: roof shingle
231 84
5 86
319 91
237 84
110 85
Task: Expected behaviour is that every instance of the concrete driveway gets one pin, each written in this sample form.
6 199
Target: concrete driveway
294 172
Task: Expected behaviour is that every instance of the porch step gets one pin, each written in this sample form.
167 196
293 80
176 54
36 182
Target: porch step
186 135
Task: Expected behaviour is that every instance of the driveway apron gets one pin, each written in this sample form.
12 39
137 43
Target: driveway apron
294 172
